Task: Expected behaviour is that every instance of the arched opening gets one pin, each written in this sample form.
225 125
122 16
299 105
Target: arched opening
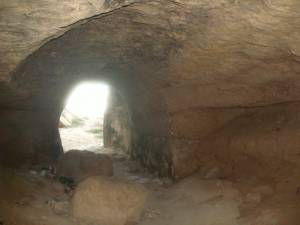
210 87
81 122
44 80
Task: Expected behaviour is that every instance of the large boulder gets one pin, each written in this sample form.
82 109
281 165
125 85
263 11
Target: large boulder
82 164
106 201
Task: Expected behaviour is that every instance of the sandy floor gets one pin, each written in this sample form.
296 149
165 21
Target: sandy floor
28 199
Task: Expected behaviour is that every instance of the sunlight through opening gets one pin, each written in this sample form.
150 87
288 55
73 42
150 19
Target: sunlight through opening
88 100
81 122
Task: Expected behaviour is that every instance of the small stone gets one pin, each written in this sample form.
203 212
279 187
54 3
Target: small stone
151 214
32 172
167 181
23 201
60 208
212 173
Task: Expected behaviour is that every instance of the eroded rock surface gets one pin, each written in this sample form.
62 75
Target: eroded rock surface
25 26
189 71
80 165
107 201
117 124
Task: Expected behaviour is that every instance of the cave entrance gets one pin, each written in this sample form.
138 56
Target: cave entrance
81 122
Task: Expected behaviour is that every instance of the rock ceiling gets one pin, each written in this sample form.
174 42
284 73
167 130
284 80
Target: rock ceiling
244 52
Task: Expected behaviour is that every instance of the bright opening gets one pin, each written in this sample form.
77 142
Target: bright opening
81 122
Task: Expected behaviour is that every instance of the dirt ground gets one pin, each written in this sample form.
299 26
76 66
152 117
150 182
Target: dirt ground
29 198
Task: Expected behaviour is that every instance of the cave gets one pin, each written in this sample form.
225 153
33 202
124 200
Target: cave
203 113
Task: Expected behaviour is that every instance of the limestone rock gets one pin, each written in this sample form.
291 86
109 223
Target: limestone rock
31 23
210 64
108 202
82 164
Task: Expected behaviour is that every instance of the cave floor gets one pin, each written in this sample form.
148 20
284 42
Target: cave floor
29 199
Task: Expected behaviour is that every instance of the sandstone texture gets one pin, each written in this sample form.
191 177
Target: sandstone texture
206 82
203 87
80 165
117 124
108 202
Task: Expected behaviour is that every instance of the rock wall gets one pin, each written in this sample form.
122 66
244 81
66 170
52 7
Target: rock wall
264 141
117 124
205 81
29 137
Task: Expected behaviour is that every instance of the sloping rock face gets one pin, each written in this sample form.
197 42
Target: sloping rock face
264 141
25 26
189 71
